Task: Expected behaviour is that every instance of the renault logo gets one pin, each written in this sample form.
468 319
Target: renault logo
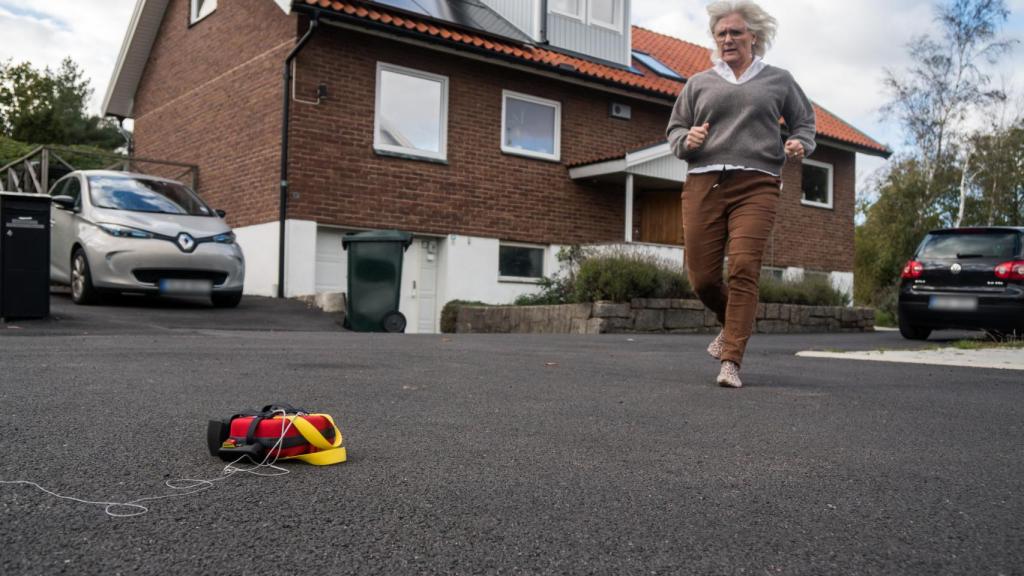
955 268
186 242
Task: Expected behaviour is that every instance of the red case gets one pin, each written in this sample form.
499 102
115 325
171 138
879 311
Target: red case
269 431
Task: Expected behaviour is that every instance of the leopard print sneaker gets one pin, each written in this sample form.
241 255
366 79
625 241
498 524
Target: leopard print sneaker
729 376
715 348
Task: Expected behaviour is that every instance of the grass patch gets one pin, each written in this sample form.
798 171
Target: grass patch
1007 343
884 318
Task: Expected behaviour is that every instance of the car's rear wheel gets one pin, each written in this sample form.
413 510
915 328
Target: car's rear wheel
226 299
912 332
82 290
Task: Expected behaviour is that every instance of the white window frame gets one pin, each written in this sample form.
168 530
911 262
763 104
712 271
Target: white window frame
523 279
195 14
617 5
382 147
581 8
831 185
505 95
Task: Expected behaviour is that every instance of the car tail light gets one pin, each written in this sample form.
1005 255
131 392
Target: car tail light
912 270
1010 270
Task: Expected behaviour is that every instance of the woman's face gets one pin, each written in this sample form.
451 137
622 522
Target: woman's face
735 42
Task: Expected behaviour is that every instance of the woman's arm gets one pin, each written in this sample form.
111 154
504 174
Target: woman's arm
799 115
679 124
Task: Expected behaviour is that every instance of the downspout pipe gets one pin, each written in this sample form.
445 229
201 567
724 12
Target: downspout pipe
283 210
543 22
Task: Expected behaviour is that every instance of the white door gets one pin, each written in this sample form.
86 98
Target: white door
63 224
331 261
426 287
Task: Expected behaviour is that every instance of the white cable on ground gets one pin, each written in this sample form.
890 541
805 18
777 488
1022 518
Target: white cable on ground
189 485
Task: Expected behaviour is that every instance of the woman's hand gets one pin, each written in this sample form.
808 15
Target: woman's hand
794 149
696 136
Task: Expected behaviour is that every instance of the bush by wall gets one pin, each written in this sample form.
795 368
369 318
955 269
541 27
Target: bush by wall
450 314
623 277
811 291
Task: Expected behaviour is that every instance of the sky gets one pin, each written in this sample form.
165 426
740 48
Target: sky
837 50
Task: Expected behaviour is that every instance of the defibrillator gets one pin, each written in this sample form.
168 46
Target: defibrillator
277 432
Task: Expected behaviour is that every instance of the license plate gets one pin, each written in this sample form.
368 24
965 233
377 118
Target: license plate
953 303
181 287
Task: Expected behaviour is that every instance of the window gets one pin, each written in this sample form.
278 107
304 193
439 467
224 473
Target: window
69 187
657 66
993 244
201 9
412 113
817 184
516 261
606 13
531 126
145 195
567 7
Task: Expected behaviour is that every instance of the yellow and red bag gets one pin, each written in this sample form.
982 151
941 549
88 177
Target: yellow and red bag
277 432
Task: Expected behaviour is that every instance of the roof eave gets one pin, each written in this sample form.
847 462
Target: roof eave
138 41
399 31
131 62
854 147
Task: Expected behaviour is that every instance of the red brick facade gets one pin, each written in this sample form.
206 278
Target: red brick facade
480 191
211 96
219 107
811 237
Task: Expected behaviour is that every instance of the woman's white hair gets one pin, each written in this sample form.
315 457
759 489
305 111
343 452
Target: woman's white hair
759 22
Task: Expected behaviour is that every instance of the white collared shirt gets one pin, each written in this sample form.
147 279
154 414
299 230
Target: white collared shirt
726 72
723 70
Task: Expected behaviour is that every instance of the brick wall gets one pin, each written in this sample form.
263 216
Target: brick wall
810 237
481 191
211 96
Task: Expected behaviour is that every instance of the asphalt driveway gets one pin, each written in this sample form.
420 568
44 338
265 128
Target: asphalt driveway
495 454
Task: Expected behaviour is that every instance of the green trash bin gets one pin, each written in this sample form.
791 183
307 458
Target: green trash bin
375 280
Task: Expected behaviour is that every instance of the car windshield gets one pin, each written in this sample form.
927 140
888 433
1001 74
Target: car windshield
144 195
974 245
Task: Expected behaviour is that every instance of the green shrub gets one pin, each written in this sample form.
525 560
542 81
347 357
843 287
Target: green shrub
813 290
450 314
622 277
553 290
886 301
11 150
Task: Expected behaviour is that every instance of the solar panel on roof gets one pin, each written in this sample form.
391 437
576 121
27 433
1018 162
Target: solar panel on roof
657 66
407 5
470 14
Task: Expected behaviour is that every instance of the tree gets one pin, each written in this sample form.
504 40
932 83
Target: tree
49 107
996 193
946 82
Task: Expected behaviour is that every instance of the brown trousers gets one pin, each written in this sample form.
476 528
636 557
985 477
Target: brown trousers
731 210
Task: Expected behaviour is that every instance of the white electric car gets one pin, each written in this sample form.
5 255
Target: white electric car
124 232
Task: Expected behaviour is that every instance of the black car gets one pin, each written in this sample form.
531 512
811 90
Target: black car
964 278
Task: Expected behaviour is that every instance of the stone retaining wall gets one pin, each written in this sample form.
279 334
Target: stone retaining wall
650 315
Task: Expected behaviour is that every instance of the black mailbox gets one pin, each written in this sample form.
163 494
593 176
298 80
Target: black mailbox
24 255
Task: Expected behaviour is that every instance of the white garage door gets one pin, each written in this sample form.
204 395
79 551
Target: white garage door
331 261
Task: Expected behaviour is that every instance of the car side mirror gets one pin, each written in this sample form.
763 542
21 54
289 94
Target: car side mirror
63 202
221 213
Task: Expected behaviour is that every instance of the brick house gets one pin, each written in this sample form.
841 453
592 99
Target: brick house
496 131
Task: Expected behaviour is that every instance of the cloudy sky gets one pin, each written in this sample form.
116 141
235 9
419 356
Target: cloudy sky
836 49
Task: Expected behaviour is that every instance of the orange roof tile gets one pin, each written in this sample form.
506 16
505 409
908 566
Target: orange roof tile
684 57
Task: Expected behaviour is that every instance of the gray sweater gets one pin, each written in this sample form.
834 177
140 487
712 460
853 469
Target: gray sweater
744 120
